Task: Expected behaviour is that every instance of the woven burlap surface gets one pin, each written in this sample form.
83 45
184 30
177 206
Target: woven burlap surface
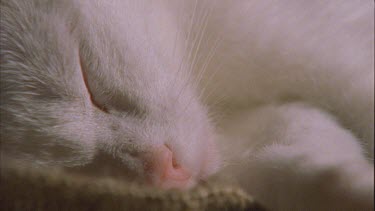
53 189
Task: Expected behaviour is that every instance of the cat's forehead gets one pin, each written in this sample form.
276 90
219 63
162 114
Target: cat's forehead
138 58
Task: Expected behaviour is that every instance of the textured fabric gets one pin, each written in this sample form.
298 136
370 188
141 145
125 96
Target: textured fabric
53 189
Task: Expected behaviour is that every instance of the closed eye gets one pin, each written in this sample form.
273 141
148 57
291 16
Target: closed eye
84 76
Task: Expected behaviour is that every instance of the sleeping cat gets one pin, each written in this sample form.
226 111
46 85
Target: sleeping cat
277 97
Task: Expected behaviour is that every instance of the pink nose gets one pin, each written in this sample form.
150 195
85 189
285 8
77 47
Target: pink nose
166 172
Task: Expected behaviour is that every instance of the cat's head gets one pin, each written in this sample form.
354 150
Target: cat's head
143 91
80 86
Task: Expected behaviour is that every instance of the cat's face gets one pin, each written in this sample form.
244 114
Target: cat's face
148 105
109 82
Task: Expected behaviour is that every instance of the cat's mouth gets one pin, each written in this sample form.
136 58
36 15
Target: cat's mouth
85 80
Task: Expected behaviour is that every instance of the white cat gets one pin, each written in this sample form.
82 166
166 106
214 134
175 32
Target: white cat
120 88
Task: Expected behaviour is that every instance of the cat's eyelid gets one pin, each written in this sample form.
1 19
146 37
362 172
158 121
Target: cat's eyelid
84 77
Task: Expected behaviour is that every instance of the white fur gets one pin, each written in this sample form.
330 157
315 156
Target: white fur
293 81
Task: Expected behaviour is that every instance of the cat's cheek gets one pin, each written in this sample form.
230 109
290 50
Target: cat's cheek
211 159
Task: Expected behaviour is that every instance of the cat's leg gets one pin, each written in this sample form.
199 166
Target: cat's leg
295 157
320 52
